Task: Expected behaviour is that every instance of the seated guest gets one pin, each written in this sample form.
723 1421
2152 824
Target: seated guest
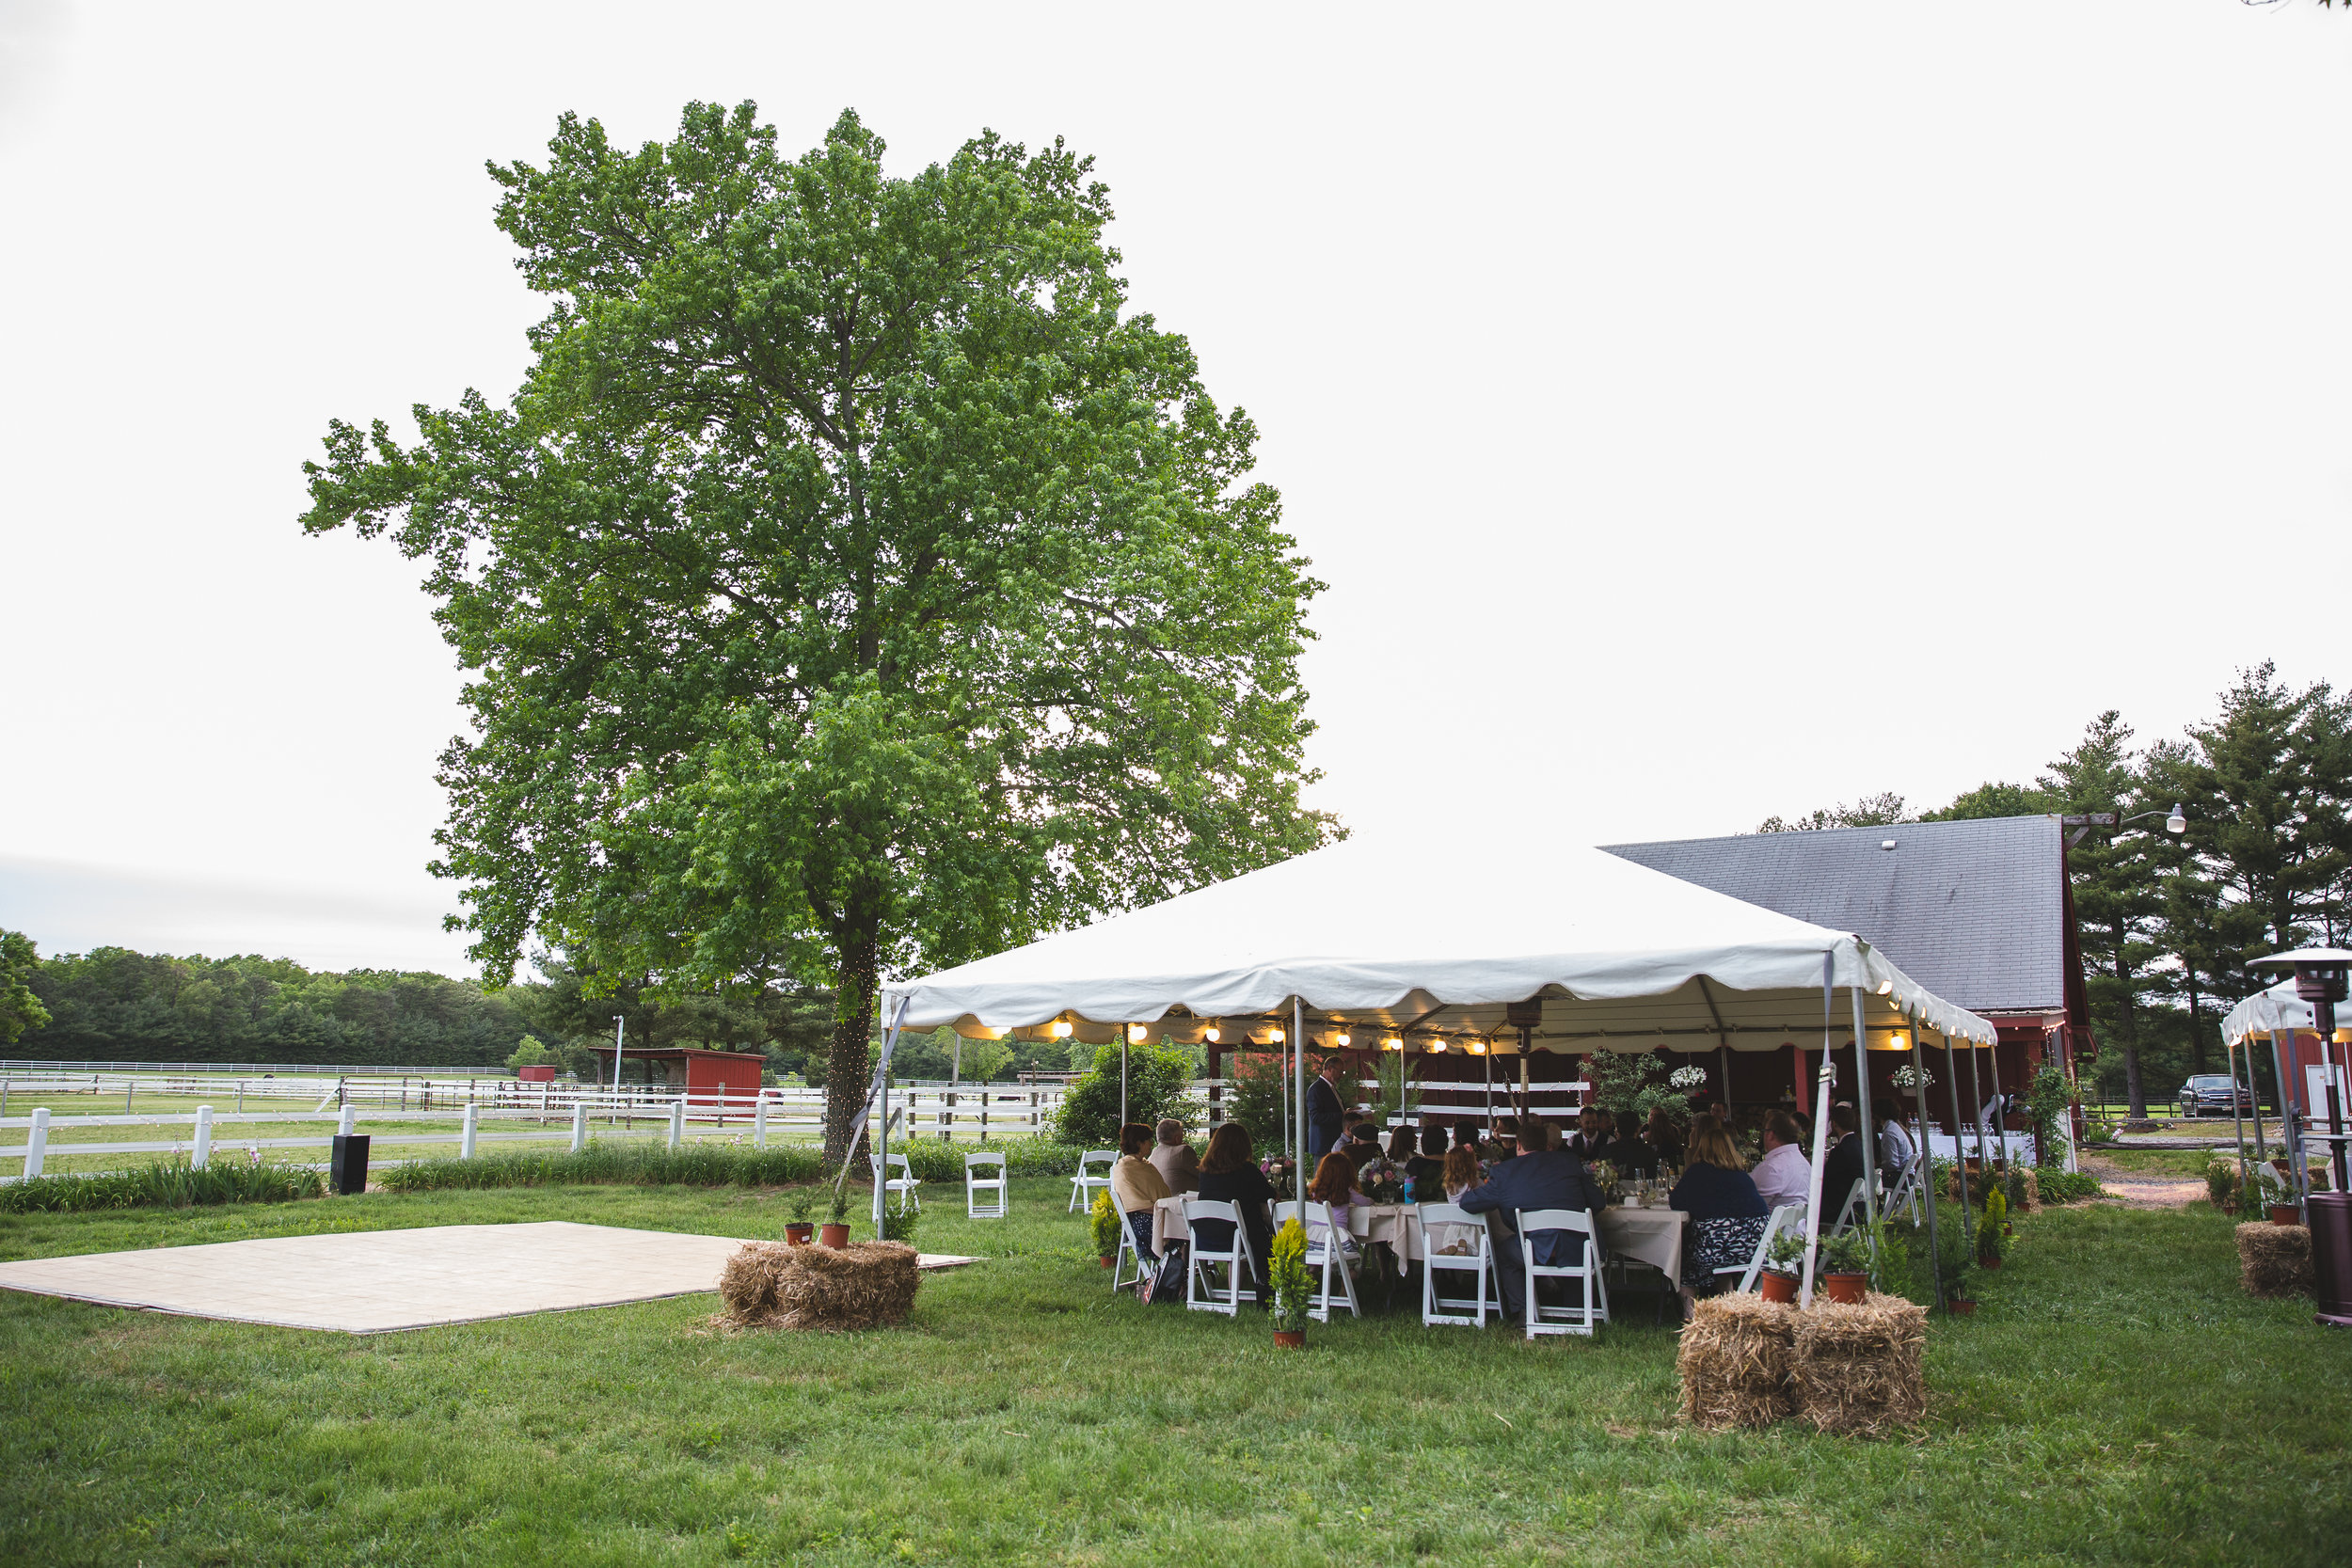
1804 1130
1541 1178
1461 1171
1401 1146
1178 1165
1333 1190
1466 1134
1425 1171
1506 1139
1894 1150
1627 1151
1661 1134
1136 1186
1229 1174
1844 1168
1782 1175
1594 1127
1727 1214
1363 1146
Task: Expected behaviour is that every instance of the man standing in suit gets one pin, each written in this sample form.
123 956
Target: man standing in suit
1541 1178
1326 1113
1847 1163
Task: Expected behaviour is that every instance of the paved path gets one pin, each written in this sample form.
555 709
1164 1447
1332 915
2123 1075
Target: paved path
373 1281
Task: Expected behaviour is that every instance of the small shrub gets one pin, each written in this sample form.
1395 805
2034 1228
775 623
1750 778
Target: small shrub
899 1218
2220 1181
1286 1271
611 1164
1847 1252
1104 1219
2068 1186
1786 1255
1990 1242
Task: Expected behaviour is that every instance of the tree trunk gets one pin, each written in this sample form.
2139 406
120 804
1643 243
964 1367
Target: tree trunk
2134 1088
2196 1030
849 1064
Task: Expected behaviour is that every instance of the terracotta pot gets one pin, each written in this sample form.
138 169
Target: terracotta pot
1108 1260
1777 1287
835 1236
1960 1307
1988 1262
1290 1338
1848 1287
2285 1214
2229 1208
799 1233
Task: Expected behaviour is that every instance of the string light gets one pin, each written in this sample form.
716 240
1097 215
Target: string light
1344 1038
1212 1034
1392 1043
1062 1029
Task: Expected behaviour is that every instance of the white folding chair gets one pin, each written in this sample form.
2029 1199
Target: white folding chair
903 1183
1845 1212
1239 1267
1436 1307
1585 1270
1905 1193
1084 1185
1120 1278
1324 1251
975 1184
1788 1216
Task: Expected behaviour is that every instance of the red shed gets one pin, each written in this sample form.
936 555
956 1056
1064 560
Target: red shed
700 1074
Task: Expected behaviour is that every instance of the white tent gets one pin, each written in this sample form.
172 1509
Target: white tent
1437 935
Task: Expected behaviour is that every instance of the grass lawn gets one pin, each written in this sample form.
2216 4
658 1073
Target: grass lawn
2117 1399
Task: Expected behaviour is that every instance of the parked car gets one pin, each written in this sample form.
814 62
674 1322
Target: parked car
2207 1094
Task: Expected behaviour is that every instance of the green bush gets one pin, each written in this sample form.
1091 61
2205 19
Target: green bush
899 1218
2068 1186
1157 1077
164 1184
937 1160
601 1163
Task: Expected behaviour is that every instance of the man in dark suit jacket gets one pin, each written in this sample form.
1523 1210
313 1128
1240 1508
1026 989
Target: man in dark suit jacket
1845 1165
1545 1178
1326 1115
1592 1129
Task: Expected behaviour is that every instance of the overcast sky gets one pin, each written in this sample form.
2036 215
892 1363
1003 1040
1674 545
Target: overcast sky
1699 411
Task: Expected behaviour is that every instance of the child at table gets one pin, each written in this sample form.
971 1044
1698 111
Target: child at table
1334 1185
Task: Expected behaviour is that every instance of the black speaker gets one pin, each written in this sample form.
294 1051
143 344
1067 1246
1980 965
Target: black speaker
347 1168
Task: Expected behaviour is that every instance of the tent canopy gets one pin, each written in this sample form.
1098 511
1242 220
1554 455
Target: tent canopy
1432 938
2267 1011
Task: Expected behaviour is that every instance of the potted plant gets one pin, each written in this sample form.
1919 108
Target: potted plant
802 1203
1105 1219
1287 1272
836 1232
899 1220
1955 1249
1783 1262
1992 1222
1846 1266
2221 1186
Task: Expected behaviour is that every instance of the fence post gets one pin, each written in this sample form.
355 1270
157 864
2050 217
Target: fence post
342 1122
759 1121
129 1085
677 1120
37 1146
465 1151
579 1125
203 1154
240 1097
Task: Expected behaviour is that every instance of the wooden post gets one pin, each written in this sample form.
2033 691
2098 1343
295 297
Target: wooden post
473 1116
203 1153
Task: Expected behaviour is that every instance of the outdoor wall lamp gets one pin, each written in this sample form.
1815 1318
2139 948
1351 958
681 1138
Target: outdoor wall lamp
2175 824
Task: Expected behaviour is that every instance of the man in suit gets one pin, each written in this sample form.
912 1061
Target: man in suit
1541 1178
1326 1113
1847 1163
1594 1127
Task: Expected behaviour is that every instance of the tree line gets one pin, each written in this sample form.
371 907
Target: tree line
2169 922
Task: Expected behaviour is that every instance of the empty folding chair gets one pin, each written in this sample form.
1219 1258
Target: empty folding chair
1461 1228
1120 1278
1239 1266
1084 1185
975 1183
1326 1253
1586 1271
902 1184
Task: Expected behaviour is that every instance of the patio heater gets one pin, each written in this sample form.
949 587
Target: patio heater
2323 977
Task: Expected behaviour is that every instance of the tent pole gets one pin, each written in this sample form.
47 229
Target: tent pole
2238 1118
1282 1085
1821 1137
2290 1113
1926 1168
1975 1097
1298 1054
2253 1090
1122 1080
1960 1150
2000 1130
1869 1130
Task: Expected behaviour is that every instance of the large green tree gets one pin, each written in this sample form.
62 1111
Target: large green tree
20 1010
853 583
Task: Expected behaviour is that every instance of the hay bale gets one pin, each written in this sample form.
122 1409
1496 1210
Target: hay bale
2030 1179
1734 1362
1856 1369
2276 1260
865 1285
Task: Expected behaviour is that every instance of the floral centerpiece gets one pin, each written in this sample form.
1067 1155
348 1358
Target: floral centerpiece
1281 1174
1382 1182
1912 1079
1605 1176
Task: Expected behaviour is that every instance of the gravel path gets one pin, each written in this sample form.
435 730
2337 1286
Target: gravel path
2143 1189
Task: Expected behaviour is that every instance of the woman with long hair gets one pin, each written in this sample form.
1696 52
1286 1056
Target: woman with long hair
1333 1192
1229 1174
1727 1214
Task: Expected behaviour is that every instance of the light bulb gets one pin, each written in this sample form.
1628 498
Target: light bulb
1344 1038
1477 1048
1136 1032
1392 1043
2176 823
1212 1034
1274 1037
1885 985
1062 1030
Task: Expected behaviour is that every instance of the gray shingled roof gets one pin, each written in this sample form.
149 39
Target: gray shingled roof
1972 910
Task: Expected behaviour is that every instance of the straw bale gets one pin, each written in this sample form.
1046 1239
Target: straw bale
2276 1260
1856 1367
866 1285
1734 1362
2031 1178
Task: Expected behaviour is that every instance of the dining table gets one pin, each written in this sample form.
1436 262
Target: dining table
1646 1234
